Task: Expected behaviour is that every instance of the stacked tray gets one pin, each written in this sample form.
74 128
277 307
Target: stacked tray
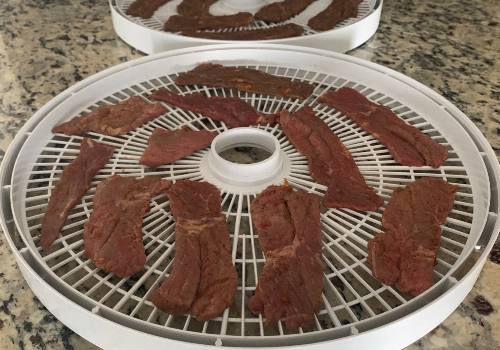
148 36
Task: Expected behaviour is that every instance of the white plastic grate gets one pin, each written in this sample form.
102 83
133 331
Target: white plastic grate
352 298
161 15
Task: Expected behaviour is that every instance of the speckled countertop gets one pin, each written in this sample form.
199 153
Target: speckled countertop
47 45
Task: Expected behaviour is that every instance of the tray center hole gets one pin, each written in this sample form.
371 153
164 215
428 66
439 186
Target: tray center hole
243 154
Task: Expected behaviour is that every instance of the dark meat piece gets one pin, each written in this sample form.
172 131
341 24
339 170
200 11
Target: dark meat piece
290 285
177 293
281 11
74 182
271 218
218 279
194 200
144 8
205 284
278 32
245 79
194 8
335 13
231 110
407 144
404 255
112 235
178 23
330 162
167 146
113 120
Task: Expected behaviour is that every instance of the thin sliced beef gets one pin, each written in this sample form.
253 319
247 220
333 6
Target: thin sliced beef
405 253
335 13
278 32
290 285
177 293
167 146
271 218
74 182
281 11
145 8
178 23
407 144
113 236
194 8
194 200
330 162
113 120
245 79
218 280
204 285
231 110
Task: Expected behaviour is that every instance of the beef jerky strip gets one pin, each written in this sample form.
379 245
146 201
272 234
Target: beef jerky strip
113 120
201 231
290 285
113 235
407 144
245 79
231 110
178 23
335 13
74 182
145 8
281 11
278 32
405 254
330 163
194 8
167 146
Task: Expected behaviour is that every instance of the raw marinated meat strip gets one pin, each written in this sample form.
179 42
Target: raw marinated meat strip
335 13
74 182
205 285
113 120
112 236
407 144
330 162
177 293
405 254
218 279
281 11
145 8
290 285
271 218
231 110
278 32
178 23
167 146
245 79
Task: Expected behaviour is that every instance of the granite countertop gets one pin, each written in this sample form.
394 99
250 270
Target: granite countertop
48 45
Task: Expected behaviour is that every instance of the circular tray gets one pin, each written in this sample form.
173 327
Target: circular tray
356 309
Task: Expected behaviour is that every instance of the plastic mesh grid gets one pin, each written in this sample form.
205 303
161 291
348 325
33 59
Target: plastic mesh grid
351 295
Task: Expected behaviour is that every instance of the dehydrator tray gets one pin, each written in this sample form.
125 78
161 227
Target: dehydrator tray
357 311
148 36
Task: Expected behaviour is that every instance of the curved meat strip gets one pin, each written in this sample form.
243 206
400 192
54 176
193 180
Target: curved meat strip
335 13
74 182
245 79
113 234
278 32
178 23
330 163
407 144
113 120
